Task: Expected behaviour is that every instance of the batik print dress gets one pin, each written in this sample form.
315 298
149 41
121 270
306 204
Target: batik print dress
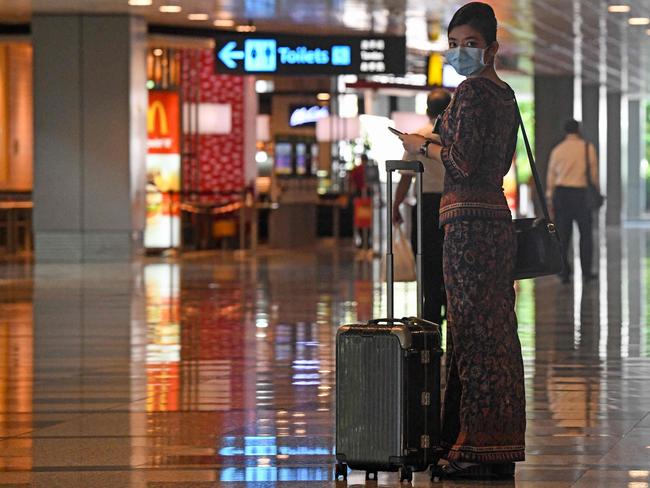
484 413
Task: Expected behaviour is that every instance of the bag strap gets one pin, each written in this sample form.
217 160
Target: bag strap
533 167
588 169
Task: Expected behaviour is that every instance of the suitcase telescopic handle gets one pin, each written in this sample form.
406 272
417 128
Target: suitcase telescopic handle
418 168
386 321
415 166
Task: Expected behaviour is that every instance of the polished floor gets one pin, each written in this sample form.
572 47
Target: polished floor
218 370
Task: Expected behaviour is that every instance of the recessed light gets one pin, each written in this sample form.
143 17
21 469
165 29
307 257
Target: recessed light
246 28
639 21
224 23
170 9
619 9
140 3
198 17
323 97
157 52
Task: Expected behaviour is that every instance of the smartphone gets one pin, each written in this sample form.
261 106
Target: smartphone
436 125
395 131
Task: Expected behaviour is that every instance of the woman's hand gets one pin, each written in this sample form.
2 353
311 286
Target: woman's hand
412 142
397 215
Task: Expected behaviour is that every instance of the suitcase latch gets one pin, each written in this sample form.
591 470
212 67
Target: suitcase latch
425 442
425 356
426 399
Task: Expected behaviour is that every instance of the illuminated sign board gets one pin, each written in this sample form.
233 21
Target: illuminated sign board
163 165
309 55
163 121
301 115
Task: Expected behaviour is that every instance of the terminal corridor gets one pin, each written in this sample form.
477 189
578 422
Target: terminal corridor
217 369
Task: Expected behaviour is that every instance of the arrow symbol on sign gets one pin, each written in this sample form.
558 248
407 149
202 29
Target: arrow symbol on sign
227 55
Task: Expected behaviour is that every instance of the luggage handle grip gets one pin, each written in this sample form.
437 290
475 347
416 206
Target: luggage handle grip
415 166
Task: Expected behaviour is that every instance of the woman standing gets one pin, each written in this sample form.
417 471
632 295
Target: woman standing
484 413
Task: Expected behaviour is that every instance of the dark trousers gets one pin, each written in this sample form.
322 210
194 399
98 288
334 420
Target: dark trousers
432 241
571 205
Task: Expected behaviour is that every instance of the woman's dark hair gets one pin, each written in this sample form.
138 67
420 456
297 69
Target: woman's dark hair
479 16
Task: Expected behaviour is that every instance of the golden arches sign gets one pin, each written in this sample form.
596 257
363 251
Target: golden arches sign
157 108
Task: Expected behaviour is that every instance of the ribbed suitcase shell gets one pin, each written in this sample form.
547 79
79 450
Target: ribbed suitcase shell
388 395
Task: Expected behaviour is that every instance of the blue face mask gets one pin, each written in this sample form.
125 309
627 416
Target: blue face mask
467 61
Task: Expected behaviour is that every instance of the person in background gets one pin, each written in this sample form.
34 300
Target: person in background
358 183
361 187
484 410
432 235
566 191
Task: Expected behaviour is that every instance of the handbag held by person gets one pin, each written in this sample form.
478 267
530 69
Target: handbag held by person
539 250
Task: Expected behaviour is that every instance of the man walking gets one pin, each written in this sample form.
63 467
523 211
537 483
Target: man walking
432 235
566 190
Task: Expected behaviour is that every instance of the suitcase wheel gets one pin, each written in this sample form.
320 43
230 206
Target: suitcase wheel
371 475
436 475
405 474
341 471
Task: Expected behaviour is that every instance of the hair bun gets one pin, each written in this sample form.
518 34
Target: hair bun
479 16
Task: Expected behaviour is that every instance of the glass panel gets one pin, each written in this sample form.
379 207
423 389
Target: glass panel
645 169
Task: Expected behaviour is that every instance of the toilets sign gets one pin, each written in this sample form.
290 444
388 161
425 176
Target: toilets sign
304 55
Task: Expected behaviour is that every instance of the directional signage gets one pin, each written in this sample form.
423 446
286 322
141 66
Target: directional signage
309 55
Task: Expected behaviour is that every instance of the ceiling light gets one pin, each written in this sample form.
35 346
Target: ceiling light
246 28
157 52
224 23
619 9
198 17
639 21
323 97
140 3
170 9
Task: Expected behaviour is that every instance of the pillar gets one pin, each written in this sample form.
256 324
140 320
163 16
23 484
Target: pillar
635 153
614 145
90 136
617 87
553 106
590 113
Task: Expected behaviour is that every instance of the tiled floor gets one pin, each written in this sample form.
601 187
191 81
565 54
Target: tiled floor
217 370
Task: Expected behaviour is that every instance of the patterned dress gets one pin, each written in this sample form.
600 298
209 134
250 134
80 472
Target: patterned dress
484 411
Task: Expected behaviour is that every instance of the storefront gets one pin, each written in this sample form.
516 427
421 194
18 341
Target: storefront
308 125
16 147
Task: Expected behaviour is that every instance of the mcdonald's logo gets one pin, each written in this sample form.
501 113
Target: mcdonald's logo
157 108
163 122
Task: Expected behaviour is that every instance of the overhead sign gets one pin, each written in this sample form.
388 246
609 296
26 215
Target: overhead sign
309 55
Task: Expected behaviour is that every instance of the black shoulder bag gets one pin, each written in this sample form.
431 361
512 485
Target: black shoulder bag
539 251
594 199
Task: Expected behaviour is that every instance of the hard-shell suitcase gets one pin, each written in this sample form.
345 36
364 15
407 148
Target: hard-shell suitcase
388 380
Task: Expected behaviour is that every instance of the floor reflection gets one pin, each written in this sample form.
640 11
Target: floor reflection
218 370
